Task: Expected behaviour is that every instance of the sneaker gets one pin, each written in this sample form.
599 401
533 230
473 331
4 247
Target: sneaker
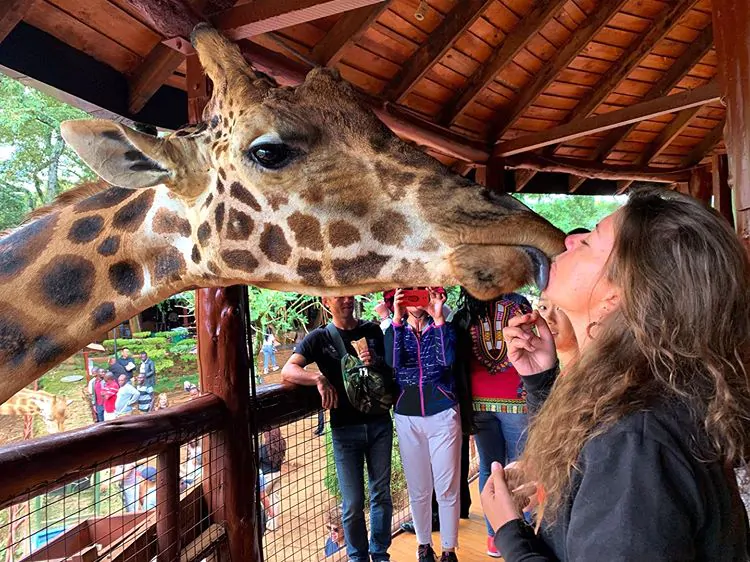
408 526
271 524
425 553
265 371
491 549
448 557
276 368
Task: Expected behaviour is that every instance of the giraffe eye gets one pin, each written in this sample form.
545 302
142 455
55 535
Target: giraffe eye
272 156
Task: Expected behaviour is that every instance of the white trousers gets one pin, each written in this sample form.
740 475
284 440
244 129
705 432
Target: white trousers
431 455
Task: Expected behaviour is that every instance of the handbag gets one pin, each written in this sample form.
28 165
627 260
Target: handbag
367 389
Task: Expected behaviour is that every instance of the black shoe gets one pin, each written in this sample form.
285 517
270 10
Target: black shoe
318 433
448 557
425 553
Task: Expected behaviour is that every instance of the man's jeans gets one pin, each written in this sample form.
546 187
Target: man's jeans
352 445
500 437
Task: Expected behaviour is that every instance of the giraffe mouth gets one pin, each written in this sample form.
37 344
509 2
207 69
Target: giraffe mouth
541 266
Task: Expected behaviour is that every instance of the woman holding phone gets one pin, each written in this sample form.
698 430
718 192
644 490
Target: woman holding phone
633 449
426 415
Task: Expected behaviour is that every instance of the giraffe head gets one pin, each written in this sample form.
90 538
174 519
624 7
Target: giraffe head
304 189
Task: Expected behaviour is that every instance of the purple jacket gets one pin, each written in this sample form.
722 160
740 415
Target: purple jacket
422 368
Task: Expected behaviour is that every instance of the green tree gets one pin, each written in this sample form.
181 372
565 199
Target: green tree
35 163
567 212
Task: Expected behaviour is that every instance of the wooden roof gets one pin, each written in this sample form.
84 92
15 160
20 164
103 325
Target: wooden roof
517 83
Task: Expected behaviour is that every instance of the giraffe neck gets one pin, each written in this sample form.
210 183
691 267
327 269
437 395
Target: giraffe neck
82 268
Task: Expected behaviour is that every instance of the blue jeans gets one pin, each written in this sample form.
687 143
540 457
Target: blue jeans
500 437
99 412
269 356
352 445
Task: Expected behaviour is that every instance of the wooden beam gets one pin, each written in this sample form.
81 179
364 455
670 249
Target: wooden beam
495 175
574 182
692 56
151 75
262 16
522 177
721 189
346 31
542 13
631 58
699 185
11 13
168 532
458 20
197 89
633 114
623 186
667 135
580 38
594 170
708 143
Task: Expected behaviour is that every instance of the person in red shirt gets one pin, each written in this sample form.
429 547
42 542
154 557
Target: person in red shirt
109 395
497 398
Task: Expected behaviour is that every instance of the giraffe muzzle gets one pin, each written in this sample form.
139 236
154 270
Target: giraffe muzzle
541 266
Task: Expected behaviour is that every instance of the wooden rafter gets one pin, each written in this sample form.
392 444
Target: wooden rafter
593 170
574 182
262 16
632 114
12 12
630 59
623 186
580 38
458 20
667 135
511 46
346 31
523 177
692 56
705 146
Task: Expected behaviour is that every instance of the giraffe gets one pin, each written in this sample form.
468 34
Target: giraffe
52 409
298 189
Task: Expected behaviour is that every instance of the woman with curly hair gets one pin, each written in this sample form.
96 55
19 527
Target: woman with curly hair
633 450
272 453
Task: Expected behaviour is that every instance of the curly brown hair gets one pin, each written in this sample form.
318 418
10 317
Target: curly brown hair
681 333
276 445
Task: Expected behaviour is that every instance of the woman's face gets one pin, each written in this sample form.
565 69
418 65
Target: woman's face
559 324
577 282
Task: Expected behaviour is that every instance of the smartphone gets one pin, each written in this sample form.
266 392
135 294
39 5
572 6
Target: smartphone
416 297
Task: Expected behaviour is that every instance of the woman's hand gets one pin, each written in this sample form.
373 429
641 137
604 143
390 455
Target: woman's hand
524 491
530 353
435 308
399 306
497 501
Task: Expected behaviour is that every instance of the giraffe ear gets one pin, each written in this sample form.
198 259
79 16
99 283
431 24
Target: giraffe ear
118 154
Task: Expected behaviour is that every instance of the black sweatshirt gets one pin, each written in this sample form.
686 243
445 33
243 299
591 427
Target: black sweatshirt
640 495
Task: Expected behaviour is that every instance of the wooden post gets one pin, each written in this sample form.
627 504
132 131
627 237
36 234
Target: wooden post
699 185
225 372
731 21
722 192
168 530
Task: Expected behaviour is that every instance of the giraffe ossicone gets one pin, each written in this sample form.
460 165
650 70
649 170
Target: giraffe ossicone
300 189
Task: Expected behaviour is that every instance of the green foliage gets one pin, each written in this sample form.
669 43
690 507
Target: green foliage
36 165
567 212
183 346
141 335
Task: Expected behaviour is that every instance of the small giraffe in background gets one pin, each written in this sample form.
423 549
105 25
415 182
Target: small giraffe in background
51 409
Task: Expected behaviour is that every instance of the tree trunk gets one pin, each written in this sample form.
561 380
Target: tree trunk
53 185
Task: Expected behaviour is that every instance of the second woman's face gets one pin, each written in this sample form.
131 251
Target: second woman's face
559 324
577 282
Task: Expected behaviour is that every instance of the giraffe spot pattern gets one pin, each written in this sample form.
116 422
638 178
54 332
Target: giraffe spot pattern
393 180
109 246
274 245
168 222
359 269
67 281
242 194
342 234
170 265
20 248
13 342
239 225
45 350
220 187
131 216
126 277
103 200
195 255
239 259
276 200
85 229
222 174
390 229
306 230
312 194
204 233
358 208
209 199
103 315
310 272
219 216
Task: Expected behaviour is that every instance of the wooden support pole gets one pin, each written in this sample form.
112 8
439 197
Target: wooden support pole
722 192
11 13
225 372
168 504
699 185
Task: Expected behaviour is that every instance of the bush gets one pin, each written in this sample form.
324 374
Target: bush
141 335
